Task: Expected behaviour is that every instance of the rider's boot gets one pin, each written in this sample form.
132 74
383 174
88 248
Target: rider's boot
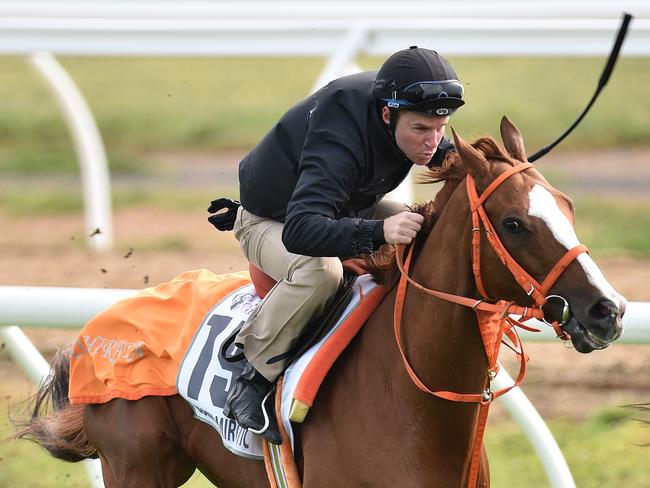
251 402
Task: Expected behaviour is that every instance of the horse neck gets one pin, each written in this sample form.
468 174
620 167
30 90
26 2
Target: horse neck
443 336
442 340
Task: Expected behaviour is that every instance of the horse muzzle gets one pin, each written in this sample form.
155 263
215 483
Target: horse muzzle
601 324
595 326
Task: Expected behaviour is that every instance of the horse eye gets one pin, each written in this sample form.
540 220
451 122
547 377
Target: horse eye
512 225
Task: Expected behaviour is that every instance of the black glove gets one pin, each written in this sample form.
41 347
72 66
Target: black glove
444 147
224 220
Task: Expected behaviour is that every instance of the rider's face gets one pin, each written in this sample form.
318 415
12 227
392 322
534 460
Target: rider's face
417 135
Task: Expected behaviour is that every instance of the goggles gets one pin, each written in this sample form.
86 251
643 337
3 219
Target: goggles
426 91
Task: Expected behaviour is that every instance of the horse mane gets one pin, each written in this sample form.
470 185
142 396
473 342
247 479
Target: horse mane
381 264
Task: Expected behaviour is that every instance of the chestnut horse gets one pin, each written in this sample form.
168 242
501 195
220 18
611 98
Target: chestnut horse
370 425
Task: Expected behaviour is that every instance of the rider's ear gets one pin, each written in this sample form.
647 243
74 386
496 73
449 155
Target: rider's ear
385 115
474 162
512 140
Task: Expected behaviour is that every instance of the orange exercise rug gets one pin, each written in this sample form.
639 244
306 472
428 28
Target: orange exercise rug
133 348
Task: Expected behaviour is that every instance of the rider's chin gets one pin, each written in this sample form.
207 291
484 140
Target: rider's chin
423 159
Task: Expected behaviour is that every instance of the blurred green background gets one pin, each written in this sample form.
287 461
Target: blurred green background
154 109
153 104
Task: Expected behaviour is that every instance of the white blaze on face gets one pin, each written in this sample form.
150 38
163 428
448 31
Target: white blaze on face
544 206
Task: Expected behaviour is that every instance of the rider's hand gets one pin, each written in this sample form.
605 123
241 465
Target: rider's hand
402 227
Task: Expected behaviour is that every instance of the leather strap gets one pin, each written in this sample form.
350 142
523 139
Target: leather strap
524 312
497 182
561 265
475 457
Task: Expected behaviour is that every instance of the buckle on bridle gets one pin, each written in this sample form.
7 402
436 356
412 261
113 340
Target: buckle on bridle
478 302
487 396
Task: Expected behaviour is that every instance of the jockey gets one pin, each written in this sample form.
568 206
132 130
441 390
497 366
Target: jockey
312 194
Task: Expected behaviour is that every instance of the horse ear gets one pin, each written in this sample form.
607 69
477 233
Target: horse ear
474 162
512 140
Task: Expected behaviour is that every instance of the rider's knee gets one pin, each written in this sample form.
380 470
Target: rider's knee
326 273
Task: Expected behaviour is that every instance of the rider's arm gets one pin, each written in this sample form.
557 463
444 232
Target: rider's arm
329 171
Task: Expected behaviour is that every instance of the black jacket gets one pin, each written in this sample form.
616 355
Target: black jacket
328 156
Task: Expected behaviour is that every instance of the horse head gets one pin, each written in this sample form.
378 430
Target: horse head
535 224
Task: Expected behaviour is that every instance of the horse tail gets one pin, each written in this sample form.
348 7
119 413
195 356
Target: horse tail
54 423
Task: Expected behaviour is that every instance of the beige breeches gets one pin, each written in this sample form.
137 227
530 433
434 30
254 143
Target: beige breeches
304 287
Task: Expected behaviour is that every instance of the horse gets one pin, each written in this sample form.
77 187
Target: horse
371 426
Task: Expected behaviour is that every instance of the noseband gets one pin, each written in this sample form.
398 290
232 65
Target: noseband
493 316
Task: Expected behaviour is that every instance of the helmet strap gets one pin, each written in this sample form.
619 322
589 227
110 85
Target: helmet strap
392 124
390 128
393 119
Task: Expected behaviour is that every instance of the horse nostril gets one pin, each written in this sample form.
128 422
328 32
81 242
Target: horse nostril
604 311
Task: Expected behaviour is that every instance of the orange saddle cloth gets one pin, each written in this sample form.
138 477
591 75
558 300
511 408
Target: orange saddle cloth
133 348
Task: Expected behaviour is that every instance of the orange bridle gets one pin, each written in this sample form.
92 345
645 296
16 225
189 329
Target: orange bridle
493 318
538 292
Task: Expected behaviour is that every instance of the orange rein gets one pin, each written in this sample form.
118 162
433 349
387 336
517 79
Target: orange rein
493 318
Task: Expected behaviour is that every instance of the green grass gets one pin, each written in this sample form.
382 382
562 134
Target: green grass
58 201
609 449
24 464
56 161
544 95
145 104
613 227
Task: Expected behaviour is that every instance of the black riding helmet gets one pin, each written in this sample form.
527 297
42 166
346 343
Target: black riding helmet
419 80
